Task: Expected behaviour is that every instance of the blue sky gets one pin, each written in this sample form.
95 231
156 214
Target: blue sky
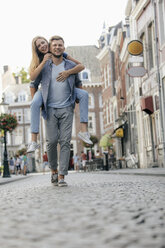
78 22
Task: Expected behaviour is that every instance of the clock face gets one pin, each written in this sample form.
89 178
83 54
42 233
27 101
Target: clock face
102 38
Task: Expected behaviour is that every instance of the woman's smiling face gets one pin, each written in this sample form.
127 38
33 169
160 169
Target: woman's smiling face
42 46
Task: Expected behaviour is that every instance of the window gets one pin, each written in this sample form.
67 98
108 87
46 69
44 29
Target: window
85 75
151 45
158 127
92 123
105 78
156 102
108 74
147 130
9 97
110 112
115 114
143 39
22 96
107 113
162 21
100 101
18 136
19 114
101 123
91 101
27 115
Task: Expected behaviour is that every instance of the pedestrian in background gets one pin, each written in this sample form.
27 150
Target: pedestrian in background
83 160
18 164
11 165
25 160
76 160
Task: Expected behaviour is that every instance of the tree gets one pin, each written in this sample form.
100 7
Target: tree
94 139
21 151
23 74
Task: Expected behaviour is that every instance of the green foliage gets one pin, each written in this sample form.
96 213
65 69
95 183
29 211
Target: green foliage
8 122
21 151
94 139
23 74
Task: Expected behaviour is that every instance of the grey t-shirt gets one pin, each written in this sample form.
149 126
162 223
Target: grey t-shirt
59 92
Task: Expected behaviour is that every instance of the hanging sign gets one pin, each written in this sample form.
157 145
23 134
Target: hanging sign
135 47
134 59
120 133
136 71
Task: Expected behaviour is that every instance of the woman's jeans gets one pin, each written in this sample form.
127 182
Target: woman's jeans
80 94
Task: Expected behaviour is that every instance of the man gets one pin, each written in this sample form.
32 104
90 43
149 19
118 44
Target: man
59 102
83 159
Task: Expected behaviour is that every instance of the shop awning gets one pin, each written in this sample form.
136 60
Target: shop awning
106 141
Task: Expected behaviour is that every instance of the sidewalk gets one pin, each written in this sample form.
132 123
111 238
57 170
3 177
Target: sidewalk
146 171
12 178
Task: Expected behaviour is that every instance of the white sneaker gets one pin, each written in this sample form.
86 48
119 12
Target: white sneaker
32 147
62 183
85 136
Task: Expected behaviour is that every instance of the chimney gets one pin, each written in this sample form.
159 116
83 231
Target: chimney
18 80
5 68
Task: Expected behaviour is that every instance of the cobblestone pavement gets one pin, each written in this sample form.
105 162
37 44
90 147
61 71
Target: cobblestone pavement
94 211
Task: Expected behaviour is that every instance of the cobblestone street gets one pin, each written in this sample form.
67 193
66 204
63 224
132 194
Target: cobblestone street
96 210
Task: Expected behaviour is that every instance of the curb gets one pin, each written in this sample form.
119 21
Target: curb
13 180
138 174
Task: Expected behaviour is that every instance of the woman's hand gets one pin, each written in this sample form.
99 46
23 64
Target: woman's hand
62 76
47 56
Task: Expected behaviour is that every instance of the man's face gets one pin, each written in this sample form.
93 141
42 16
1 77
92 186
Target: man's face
57 48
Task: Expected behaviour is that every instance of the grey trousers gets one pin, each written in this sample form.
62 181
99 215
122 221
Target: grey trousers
59 129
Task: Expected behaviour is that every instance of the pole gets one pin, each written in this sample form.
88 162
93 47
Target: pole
152 141
159 81
6 172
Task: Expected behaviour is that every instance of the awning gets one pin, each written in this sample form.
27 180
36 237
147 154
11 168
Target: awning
106 141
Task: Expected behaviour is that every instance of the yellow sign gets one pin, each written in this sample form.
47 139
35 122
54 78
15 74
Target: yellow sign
135 47
120 133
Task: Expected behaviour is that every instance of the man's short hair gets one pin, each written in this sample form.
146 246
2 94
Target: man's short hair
56 37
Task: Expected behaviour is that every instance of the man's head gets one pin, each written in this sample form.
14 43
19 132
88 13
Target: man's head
57 46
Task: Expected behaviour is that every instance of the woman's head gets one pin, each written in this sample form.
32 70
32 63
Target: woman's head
40 47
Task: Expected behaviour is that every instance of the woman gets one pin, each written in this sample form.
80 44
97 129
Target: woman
40 55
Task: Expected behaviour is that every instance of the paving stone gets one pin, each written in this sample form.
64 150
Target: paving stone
96 210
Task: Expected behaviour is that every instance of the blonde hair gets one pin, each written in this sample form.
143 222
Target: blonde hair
55 37
37 56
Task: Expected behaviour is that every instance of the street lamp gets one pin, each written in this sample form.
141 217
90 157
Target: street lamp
6 173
